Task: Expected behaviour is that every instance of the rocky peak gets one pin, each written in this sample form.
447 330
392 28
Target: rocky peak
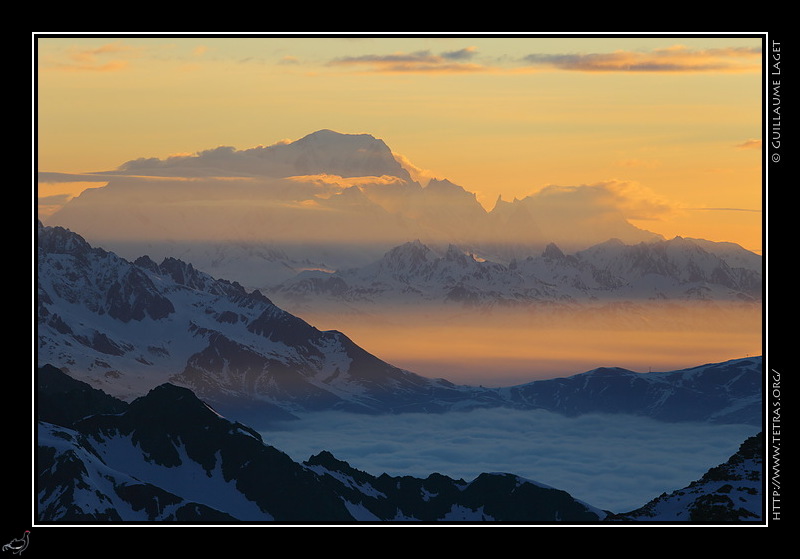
409 256
455 254
62 400
553 252
58 240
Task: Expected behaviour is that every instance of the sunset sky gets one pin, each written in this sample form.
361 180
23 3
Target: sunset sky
676 121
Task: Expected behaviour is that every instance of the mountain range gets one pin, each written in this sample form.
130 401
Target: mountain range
127 327
676 270
326 201
168 457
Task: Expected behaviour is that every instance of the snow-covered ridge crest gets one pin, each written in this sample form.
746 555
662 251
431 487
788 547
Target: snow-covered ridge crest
678 269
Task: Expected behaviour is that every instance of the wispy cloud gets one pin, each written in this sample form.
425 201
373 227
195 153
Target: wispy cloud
750 144
418 61
674 59
677 58
629 198
44 177
725 210
111 57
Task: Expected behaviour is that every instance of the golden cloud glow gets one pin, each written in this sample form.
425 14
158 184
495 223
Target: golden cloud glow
628 197
342 182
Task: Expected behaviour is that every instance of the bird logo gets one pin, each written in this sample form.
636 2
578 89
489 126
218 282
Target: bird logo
18 545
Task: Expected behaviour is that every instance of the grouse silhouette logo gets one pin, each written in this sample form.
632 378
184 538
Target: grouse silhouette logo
18 545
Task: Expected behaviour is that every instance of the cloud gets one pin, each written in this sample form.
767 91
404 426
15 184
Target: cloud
54 200
674 59
111 57
337 183
750 144
671 59
461 54
725 210
55 178
628 198
613 462
418 61
419 174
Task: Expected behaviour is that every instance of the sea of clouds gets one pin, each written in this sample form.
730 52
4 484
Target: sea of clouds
613 462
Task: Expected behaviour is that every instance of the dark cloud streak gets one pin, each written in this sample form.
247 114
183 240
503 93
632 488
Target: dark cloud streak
418 61
669 60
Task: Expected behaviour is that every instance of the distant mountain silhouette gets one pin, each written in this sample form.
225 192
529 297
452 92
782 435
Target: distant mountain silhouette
327 200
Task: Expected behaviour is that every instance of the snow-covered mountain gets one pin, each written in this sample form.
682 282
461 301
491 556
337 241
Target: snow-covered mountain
168 457
678 269
719 393
127 327
323 152
326 201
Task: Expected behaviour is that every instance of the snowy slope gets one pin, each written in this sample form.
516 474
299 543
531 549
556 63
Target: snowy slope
727 392
730 492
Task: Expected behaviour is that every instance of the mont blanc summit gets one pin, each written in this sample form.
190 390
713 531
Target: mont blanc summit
328 200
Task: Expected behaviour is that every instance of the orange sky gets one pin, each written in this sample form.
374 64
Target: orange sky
674 121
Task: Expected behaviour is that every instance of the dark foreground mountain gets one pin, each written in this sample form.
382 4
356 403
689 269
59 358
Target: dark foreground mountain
169 457
127 327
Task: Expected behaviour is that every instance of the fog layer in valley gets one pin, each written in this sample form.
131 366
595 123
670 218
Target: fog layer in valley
616 463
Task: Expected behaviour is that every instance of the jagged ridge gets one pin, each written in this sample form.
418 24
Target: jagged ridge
679 269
